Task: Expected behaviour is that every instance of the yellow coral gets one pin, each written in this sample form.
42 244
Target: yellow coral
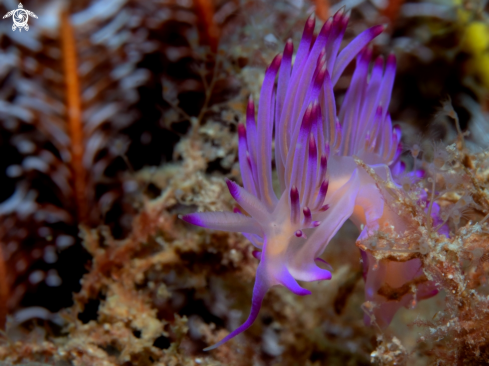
476 38
475 41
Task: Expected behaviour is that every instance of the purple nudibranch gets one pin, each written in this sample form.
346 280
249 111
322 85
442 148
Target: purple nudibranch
320 184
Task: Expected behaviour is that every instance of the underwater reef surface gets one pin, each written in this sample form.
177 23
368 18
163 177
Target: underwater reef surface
156 290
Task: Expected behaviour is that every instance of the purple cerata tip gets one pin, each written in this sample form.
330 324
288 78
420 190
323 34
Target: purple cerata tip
391 60
241 131
379 62
250 110
376 30
339 14
289 48
324 208
192 219
233 189
256 254
275 63
310 23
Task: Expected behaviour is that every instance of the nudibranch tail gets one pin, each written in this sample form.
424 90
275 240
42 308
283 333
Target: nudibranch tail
270 273
259 291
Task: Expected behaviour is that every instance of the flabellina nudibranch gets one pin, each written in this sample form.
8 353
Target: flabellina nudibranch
321 185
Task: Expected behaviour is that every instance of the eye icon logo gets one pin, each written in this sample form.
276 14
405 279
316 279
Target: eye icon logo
20 17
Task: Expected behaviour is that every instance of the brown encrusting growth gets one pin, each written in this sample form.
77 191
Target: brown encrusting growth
74 118
458 332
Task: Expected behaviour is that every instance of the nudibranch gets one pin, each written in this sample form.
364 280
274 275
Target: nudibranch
321 185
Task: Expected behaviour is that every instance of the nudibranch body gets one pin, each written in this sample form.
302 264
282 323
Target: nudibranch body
321 186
